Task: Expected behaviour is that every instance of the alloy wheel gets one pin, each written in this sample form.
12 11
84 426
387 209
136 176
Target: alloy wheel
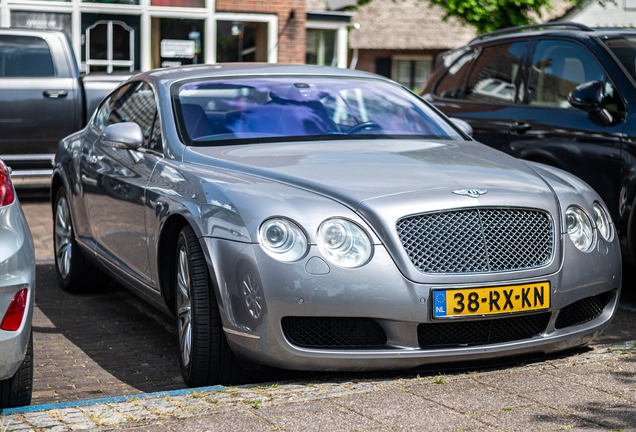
63 238
184 306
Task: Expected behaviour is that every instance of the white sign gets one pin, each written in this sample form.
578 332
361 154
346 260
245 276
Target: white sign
171 48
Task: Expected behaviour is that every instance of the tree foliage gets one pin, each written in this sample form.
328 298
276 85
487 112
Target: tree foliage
489 15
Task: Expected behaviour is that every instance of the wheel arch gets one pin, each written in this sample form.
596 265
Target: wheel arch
166 264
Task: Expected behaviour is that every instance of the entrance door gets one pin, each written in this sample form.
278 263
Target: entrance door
110 43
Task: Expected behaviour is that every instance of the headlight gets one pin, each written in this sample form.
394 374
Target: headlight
579 228
603 221
343 243
282 239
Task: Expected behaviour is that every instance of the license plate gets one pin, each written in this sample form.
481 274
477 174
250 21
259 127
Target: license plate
491 300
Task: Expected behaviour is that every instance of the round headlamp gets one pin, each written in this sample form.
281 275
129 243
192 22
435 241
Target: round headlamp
343 243
282 239
579 228
603 221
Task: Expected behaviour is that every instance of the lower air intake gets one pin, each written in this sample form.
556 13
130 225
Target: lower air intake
582 311
481 332
330 332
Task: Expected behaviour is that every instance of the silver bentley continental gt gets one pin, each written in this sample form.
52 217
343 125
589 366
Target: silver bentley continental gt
323 219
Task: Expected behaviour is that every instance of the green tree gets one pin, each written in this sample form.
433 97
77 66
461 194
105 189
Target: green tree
489 15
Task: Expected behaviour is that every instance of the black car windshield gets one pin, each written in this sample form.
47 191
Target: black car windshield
245 110
624 48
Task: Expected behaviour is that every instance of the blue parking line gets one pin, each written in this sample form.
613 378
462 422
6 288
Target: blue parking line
88 402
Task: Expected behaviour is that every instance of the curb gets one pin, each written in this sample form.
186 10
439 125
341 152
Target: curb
114 399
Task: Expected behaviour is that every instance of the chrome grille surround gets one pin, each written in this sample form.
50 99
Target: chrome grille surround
478 240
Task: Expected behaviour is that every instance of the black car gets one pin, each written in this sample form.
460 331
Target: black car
562 94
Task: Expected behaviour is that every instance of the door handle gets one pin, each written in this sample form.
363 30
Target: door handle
521 128
55 94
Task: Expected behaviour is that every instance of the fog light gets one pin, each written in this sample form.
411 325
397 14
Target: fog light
13 318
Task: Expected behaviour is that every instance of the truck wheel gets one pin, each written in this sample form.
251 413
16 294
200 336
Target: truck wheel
16 391
206 357
74 272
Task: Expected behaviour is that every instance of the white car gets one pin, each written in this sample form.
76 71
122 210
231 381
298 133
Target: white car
17 284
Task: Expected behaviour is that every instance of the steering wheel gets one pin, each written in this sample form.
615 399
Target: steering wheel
357 128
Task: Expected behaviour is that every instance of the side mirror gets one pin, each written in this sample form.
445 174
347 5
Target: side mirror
127 136
590 97
463 126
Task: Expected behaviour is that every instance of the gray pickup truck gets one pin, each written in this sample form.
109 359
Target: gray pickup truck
43 98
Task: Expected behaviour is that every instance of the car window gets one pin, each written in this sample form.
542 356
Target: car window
154 141
212 111
495 72
451 85
136 104
624 48
25 56
557 68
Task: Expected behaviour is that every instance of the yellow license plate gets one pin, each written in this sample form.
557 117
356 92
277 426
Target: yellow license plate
492 300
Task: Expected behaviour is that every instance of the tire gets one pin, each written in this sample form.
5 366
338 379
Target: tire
74 272
205 356
16 391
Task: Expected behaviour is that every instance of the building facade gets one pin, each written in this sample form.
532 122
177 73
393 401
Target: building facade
131 35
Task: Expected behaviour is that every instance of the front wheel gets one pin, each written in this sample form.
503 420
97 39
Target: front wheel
16 391
205 356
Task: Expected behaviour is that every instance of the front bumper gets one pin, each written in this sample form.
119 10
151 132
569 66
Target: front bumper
17 272
312 288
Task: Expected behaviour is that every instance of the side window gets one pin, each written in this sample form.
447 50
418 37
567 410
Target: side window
136 104
154 141
495 72
25 56
103 112
451 85
557 68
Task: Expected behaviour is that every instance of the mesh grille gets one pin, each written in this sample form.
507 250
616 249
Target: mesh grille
478 240
328 332
581 311
483 331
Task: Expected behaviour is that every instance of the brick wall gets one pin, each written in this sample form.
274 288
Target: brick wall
291 32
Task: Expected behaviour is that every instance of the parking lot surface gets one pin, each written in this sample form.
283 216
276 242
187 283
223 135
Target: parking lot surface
110 343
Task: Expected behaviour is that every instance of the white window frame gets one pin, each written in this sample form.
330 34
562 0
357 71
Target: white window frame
109 62
342 38
272 29
146 12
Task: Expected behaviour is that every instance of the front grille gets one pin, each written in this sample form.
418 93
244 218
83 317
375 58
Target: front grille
482 332
478 240
330 332
581 311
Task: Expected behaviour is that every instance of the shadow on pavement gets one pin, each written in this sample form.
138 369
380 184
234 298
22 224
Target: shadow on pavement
107 343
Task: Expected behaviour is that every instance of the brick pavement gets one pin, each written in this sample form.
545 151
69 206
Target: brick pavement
594 390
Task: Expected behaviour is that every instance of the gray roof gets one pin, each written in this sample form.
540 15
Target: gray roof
407 25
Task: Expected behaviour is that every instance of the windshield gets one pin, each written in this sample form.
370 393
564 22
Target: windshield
624 48
244 110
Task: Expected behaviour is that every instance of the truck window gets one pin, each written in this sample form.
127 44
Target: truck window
25 56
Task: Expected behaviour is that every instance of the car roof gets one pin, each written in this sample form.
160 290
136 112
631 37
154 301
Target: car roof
564 29
235 70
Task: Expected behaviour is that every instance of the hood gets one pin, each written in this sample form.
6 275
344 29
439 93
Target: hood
356 171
